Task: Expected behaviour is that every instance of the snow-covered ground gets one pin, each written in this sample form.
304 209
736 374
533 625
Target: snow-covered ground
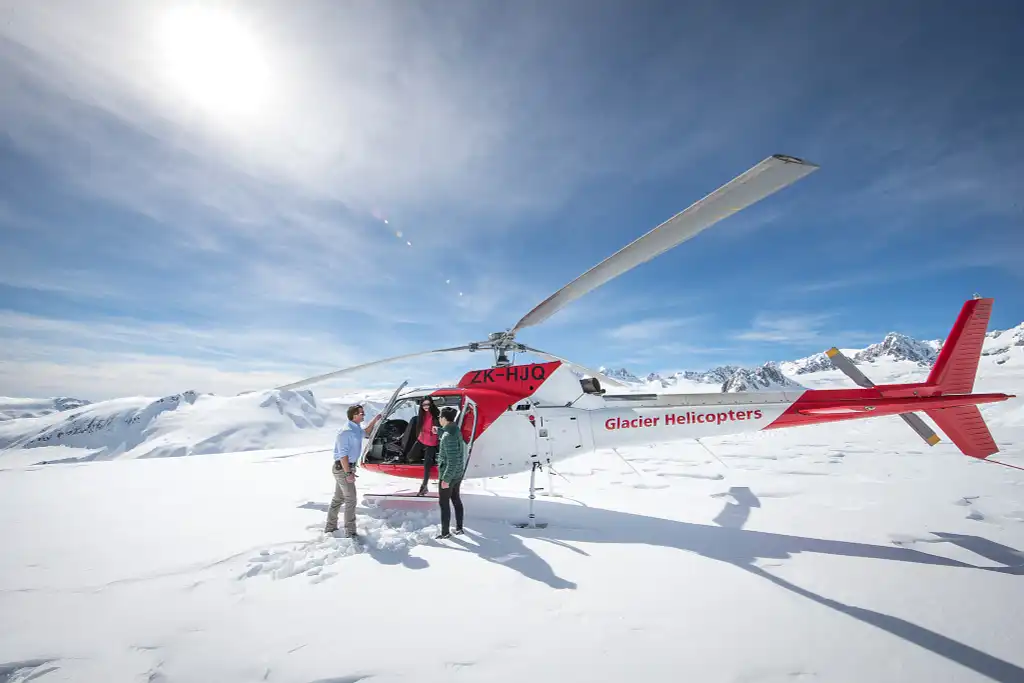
850 552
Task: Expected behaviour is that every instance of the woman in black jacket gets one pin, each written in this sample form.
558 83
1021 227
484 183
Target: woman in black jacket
421 437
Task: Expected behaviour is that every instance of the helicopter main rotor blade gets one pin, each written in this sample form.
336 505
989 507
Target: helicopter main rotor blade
764 179
354 368
605 379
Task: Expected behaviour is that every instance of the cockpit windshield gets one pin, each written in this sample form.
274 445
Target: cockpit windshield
406 407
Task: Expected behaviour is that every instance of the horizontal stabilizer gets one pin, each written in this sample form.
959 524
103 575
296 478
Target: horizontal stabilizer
966 428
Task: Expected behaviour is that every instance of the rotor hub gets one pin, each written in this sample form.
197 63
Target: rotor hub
503 341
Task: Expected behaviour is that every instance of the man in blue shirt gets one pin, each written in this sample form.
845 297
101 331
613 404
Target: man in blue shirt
347 447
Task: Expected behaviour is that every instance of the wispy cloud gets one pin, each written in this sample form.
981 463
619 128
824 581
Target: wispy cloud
104 358
797 329
653 329
1007 257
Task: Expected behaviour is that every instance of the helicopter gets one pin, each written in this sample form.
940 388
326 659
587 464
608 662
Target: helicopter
525 417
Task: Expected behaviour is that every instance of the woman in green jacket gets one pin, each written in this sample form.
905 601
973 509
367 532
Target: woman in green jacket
451 465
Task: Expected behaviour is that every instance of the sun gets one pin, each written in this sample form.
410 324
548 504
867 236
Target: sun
214 60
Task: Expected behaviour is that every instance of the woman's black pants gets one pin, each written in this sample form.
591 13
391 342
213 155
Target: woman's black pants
451 493
429 460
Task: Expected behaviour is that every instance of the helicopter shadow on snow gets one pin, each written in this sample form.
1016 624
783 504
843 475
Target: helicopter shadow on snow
510 551
730 543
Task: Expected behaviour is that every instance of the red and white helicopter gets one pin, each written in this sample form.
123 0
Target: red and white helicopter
521 418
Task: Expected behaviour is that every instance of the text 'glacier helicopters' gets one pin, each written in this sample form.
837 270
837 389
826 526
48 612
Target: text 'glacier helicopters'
520 418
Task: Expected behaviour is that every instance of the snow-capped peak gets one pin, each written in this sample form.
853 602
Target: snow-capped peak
900 347
621 374
14 408
768 377
1000 342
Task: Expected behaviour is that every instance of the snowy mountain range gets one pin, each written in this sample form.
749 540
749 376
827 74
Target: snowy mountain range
191 423
781 375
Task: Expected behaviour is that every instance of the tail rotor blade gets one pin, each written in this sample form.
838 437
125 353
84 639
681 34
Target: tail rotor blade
853 372
849 369
354 368
761 181
922 429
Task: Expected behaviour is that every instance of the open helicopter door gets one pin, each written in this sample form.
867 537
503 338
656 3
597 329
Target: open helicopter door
469 407
383 416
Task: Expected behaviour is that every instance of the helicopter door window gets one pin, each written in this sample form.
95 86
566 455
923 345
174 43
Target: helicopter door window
387 446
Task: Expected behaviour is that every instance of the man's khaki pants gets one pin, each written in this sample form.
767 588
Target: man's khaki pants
344 492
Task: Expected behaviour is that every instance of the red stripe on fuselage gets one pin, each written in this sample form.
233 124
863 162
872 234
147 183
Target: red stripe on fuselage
835 405
406 471
495 390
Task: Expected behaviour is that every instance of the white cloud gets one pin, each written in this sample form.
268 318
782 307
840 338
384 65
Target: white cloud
106 375
791 329
654 330
370 106
118 357
117 375
1005 254
798 329
370 116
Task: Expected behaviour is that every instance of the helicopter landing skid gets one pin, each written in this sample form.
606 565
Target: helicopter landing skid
402 500
532 522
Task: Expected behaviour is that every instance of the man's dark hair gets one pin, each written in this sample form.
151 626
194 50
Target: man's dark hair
449 413
352 410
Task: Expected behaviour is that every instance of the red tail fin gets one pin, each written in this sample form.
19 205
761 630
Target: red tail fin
966 428
954 373
957 364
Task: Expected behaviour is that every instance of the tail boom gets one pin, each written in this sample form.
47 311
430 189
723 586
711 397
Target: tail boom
834 405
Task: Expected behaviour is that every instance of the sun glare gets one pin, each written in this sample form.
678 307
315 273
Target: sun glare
213 60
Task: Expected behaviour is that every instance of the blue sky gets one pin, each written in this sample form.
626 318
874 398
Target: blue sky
213 200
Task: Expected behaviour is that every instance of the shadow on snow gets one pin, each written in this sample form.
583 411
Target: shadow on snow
731 544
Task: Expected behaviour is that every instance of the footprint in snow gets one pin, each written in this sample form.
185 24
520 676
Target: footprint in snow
391 532
974 514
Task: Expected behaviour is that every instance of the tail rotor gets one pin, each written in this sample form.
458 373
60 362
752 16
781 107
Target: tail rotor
853 372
